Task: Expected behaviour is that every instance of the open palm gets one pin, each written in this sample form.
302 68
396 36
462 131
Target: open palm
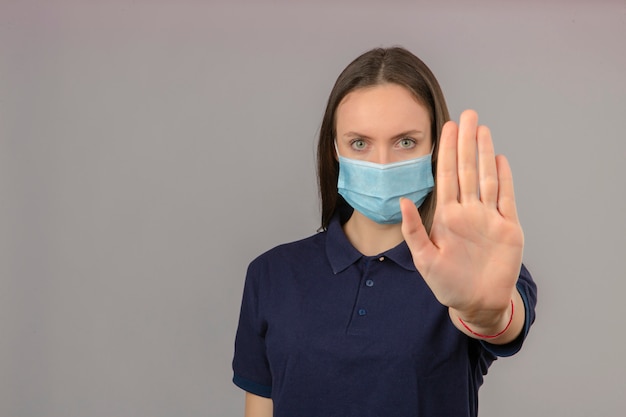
472 257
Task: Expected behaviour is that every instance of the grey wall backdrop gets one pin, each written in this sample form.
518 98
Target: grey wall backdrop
150 149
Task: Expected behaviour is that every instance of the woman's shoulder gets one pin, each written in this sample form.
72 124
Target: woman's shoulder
307 247
283 261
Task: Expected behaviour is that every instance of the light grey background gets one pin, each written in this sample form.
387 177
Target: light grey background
150 149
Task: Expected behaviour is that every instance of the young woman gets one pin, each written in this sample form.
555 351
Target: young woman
390 310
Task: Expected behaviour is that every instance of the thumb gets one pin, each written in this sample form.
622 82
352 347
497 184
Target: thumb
415 235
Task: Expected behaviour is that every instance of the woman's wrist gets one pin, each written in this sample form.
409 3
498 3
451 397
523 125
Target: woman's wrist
489 335
495 327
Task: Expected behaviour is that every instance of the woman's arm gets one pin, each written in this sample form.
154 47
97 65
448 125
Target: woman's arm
512 322
258 406
472 257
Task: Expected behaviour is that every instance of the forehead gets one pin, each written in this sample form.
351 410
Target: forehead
382 107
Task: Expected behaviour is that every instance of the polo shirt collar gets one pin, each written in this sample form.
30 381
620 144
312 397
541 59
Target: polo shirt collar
339 251
402 256
341 254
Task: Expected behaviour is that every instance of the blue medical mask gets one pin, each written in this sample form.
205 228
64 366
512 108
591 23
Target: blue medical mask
375 189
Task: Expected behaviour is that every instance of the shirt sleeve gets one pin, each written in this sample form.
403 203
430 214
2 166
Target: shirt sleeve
250 365
528 290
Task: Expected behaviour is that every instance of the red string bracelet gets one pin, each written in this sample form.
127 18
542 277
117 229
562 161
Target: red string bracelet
484 336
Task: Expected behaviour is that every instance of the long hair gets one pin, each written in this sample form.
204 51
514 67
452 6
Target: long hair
378 66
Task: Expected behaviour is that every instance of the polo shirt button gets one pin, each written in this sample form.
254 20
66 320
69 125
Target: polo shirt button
362 312
369 283
382 258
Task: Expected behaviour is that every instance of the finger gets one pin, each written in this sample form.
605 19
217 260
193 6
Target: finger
466 158
447 178
415 236
487 171
506 194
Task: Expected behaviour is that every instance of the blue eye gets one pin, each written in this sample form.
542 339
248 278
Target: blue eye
358 144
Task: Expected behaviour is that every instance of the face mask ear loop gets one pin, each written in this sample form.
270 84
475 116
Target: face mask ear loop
336 149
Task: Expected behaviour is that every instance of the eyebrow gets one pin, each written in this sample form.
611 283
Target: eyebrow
412 132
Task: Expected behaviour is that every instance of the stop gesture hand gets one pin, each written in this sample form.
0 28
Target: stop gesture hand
472 258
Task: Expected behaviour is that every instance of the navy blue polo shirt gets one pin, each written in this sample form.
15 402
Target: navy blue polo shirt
326 331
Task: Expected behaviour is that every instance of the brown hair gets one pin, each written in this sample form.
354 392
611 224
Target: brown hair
378 66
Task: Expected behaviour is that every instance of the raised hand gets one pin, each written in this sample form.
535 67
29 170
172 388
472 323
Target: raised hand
472 258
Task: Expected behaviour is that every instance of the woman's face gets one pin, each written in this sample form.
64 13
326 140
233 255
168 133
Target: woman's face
382 124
